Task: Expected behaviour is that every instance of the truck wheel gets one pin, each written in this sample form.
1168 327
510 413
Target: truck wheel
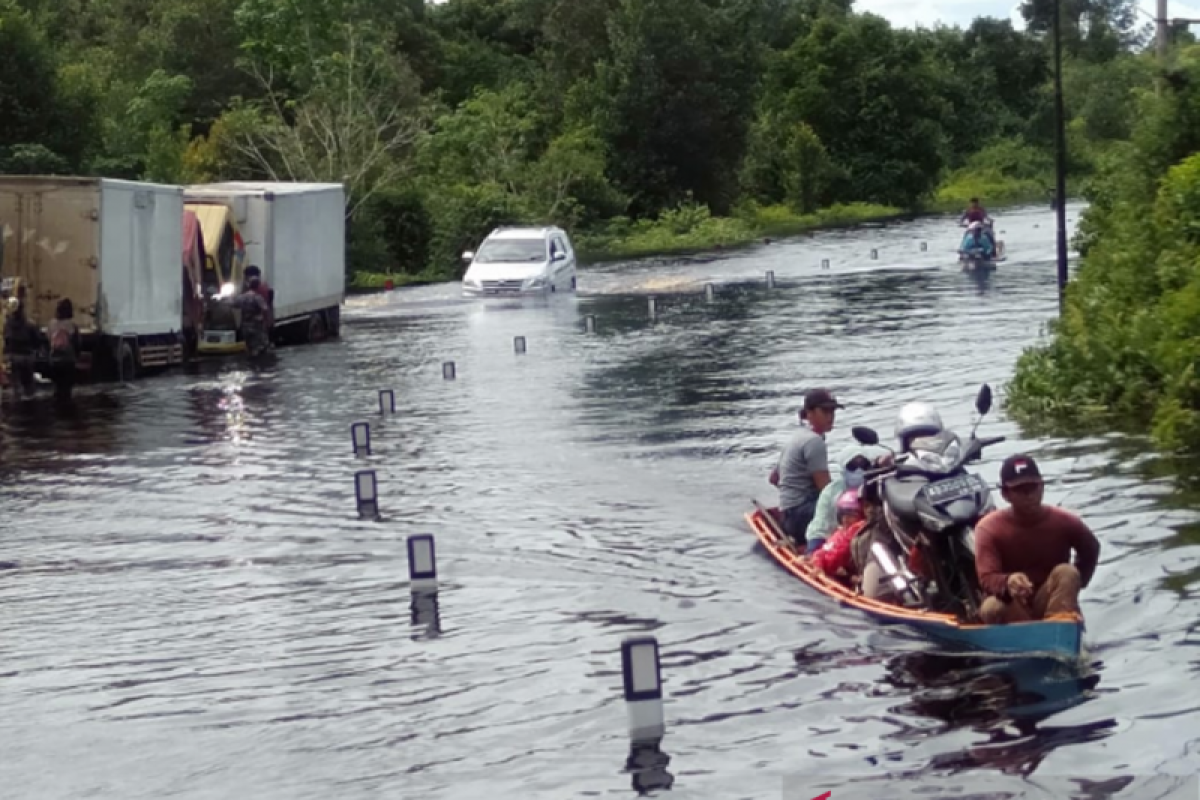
191 344
333 318
317 330
126 363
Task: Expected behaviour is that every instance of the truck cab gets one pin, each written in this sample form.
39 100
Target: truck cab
222 261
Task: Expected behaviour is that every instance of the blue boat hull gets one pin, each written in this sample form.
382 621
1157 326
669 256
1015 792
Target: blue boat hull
1060 637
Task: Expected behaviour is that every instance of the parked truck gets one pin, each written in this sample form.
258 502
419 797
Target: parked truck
295 233
114 248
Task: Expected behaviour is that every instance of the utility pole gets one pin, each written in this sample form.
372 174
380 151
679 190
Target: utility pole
1163 33
1060 158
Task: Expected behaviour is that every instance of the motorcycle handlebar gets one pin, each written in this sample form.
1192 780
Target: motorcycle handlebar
913 468
871 474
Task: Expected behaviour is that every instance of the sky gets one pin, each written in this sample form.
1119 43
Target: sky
927 13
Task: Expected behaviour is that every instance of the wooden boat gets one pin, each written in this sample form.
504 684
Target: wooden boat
1060 636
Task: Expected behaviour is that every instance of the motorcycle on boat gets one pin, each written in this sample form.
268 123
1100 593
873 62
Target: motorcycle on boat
931 505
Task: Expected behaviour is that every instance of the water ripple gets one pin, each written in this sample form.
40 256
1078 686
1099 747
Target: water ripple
192 607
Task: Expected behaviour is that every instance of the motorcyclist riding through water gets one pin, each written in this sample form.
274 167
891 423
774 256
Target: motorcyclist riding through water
978 240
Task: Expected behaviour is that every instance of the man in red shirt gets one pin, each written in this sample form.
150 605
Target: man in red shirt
974 213
1023 553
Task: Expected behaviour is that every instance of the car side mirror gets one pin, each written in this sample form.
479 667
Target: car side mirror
468 255
864 435
983 402
560 256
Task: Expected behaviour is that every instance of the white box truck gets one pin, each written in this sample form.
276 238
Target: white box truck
113 248
296 234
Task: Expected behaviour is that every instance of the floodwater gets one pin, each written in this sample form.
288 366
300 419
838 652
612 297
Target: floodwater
190 606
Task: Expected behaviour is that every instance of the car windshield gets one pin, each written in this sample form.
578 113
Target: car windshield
512 250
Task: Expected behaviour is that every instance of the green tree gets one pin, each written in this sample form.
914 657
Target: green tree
44 109
352 115
679 94
868 93
1127 342
786 162
1094 30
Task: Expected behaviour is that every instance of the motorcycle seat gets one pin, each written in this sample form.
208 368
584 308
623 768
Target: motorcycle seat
901 495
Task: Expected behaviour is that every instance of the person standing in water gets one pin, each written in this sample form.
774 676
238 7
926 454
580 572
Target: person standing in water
64 348
803 468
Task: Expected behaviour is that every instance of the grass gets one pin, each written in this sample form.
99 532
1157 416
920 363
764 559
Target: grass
361 281
691 229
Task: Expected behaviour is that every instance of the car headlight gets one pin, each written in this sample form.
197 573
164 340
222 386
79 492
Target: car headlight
535 283
471 282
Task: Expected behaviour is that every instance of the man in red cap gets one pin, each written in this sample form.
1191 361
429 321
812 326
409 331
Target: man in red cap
1023 552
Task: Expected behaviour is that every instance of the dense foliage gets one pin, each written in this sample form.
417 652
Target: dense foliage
634 123
1128 343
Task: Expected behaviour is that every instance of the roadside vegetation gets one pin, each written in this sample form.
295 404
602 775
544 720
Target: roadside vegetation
641 126
1126 352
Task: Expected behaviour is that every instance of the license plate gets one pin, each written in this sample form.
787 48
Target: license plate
953 488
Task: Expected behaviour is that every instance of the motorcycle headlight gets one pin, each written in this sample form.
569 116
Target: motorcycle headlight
930 460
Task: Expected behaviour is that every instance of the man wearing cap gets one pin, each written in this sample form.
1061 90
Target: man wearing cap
1023 552
803 468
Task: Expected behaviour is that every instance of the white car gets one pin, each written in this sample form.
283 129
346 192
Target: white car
521 261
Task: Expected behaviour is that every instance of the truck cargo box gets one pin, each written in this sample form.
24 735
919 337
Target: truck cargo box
112 246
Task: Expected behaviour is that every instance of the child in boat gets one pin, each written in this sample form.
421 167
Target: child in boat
835 558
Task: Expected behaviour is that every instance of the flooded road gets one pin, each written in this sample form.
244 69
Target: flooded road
190 607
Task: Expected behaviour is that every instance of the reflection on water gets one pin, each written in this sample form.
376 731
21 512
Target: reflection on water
193 607
1007 699
426 618
647 766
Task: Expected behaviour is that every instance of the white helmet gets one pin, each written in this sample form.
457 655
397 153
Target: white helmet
916 419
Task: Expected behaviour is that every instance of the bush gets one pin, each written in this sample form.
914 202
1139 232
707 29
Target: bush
1129 339
405 227
32 159
1006 171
